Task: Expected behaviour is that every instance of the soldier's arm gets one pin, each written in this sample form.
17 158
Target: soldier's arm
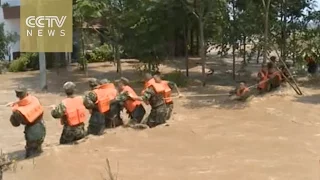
173 85
58 111
122 97
145 96
89 100
16 119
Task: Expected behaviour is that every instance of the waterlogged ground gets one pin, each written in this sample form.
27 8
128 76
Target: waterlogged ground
275 137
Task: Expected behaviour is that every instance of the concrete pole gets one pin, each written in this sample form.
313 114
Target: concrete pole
43 71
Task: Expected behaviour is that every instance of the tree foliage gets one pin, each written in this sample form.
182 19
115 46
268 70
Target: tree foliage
152 30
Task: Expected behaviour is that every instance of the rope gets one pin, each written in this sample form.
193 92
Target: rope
200 95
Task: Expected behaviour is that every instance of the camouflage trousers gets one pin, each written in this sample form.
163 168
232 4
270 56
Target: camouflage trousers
34 136
96 123
157 116
137 115
169 110
274 83
72 133
112 117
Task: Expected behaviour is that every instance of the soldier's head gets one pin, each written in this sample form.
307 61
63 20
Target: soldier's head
242 85
273 59
157 77
122 82
21 92
147 77
93 83
69 88
105 81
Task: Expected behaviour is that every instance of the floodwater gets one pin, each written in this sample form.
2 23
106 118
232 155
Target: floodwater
275 137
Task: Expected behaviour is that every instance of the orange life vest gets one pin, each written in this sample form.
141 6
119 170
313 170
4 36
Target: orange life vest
130 104
241 92
29 107
263 79
149 83
278 74
159 88
75 110
167 92
103 100
110 90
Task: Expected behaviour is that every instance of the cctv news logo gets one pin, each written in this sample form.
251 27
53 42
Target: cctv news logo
46 26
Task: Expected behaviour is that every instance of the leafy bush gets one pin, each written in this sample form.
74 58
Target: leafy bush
178 77
19 64
3 66
24 62
100 54
33 60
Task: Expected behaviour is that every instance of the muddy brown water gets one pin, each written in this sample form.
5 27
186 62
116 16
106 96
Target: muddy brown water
272 138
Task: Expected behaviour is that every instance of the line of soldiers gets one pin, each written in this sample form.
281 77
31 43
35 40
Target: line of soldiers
269 78
105 101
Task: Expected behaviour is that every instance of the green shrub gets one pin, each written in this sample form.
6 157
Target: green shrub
19 64
178 77
101 54
24 62
33 60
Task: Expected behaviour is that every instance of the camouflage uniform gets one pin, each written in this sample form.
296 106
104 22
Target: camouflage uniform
158 112
97 119
274 80
69 133
138 113
170 105
113 117
34 133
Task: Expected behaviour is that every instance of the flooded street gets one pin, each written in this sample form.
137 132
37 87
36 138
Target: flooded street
275 137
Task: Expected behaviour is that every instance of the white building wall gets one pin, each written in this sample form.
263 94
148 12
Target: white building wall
11 26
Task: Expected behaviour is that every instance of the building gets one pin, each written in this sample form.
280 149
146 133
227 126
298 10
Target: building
10 16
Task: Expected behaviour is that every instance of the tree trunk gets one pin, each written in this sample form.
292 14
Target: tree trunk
233 42
192 42
84 60
57 62
266 38
118 59
284 40
202 50
244 49
43 71
233 61
294 48
258 54
197 43
186 52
